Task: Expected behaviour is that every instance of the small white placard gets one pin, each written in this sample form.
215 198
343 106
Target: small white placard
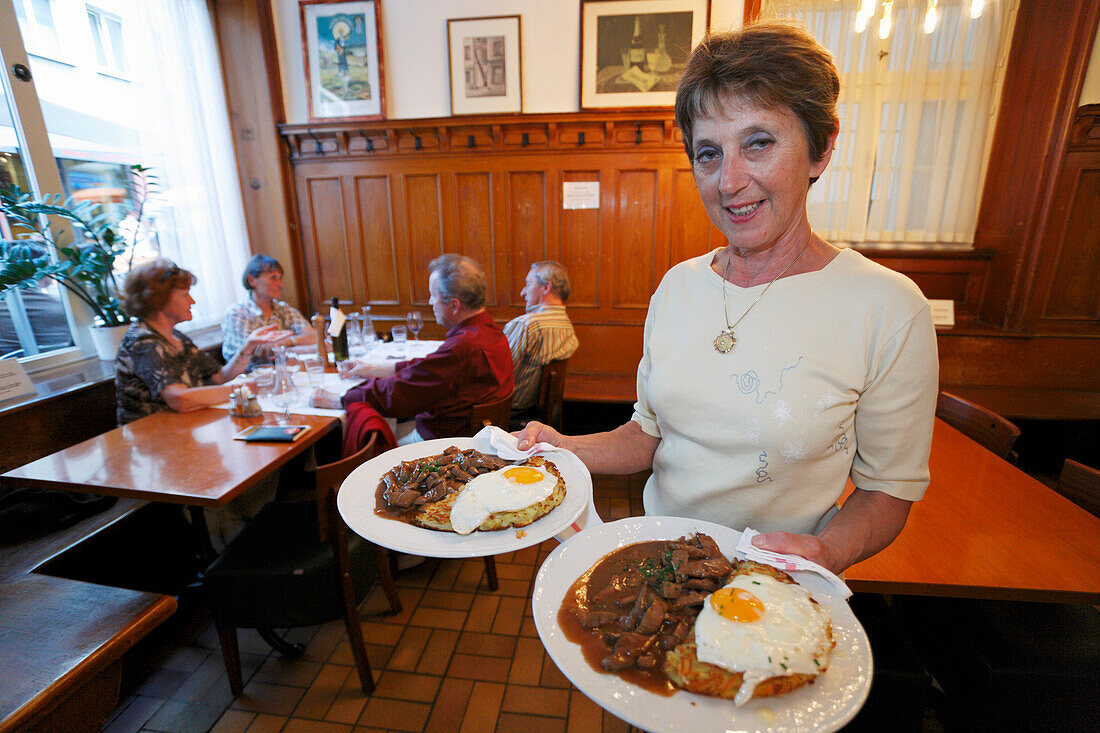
580 195
14 381
943 312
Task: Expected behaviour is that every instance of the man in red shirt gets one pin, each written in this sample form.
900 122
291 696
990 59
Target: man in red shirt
473 365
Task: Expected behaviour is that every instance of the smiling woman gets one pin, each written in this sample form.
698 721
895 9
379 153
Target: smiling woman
832 372
263 280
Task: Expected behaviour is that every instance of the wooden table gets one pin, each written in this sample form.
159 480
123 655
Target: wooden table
985 529
180 458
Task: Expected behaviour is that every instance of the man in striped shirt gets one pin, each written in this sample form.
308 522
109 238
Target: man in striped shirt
542 334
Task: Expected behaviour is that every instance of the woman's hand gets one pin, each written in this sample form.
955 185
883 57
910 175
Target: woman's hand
266 336
536 432
325 400
803 545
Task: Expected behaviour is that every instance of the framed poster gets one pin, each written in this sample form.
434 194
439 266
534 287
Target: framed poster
342 45
486 75
634 51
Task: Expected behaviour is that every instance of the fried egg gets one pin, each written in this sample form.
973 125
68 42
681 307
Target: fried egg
507 489
763 628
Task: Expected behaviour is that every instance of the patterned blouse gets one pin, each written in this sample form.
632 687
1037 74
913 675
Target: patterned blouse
147 363
245 316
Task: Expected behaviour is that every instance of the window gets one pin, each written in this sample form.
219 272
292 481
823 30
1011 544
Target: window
77 131
107 40
36 22
916 118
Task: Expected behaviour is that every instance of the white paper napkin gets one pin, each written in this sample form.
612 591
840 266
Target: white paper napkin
746 549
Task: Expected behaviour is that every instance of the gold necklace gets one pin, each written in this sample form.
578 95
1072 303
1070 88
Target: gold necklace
724 342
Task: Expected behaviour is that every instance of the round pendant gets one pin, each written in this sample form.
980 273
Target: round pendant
724 341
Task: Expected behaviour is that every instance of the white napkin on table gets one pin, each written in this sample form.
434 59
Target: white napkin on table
748 550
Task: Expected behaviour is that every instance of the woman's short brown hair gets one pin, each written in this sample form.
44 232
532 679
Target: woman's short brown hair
773 64
148 286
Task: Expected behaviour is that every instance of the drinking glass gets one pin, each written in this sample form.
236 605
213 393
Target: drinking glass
400 336
415 322
356 347
265 378
315 370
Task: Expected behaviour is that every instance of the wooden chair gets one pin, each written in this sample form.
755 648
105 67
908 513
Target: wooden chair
491 413
1081 485
979 424
552 392
294 564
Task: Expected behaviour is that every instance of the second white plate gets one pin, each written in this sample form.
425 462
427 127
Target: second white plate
357 500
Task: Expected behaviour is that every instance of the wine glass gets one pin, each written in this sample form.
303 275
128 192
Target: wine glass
415 322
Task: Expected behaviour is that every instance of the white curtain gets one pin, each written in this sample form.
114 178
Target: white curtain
916 117
185 138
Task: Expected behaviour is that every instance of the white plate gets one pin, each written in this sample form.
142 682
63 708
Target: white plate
831 701
357 500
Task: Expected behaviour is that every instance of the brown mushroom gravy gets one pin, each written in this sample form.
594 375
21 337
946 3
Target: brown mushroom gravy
411 484
639 602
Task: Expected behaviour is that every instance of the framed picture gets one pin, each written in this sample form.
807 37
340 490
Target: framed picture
342 45
634 51
485 65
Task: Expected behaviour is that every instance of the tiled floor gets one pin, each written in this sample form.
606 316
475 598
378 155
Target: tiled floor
457 658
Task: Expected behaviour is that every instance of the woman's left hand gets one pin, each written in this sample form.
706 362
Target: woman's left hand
803 545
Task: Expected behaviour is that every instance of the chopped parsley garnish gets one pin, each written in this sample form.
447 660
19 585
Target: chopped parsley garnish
783 666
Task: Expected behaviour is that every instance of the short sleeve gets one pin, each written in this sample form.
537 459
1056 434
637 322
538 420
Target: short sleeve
234 331
643 413
895 413
151 367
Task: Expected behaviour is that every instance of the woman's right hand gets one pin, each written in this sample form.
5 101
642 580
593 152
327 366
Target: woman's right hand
536 432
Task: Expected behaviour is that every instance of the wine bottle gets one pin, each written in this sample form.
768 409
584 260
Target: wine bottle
339 333
637 47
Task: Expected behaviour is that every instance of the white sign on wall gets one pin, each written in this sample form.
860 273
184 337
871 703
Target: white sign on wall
580 195
14 381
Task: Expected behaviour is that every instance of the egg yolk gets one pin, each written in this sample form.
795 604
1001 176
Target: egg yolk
737 604
523 475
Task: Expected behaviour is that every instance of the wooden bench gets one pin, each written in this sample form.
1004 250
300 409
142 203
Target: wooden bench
61 646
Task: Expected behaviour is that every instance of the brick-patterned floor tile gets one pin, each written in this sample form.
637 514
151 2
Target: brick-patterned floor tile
484 708
509 616
509 587
449 600
349 702
266 723
528 699
298 673
382 712
585 716
302 725
268 698
527 662
233 721
551 675
528 629
379 633
491 645
612 724
407 686
445 575
406 655
438 618
410 599
319 697
526 556
321 646
482 612
438 651
450 706
512 571
469 577
473 667
521 723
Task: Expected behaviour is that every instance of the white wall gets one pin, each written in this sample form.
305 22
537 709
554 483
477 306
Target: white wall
414 52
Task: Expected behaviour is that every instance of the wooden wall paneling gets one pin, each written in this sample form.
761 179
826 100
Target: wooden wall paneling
580 244
959 279
472 204
634 271
1076 252
424 235
691 231
527 216
1046 67
327 256
377 250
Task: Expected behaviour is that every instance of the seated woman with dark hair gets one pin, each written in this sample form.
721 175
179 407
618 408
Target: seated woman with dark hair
159 368
263 279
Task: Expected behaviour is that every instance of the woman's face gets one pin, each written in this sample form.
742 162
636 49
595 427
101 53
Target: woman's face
268 285
178 307
752 168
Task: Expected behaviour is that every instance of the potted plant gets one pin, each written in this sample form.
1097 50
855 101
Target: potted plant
89 269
